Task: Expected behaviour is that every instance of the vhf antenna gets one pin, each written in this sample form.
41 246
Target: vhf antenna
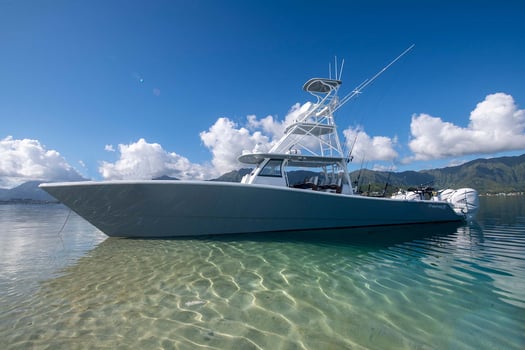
337 76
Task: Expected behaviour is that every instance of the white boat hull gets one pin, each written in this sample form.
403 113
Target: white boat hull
189 208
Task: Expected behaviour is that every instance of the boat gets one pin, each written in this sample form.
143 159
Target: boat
267 199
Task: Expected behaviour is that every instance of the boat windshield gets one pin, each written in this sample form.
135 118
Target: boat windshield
272 168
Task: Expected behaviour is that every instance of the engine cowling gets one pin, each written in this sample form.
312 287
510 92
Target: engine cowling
464 200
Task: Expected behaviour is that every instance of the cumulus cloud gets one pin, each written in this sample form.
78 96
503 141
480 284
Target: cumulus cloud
143 161
26 160
376 148
496 125
268 125
227 140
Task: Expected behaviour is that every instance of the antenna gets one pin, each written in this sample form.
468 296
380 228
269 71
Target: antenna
335 66
367 82
337 73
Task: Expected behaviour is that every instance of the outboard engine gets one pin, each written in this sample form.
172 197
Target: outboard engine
465 201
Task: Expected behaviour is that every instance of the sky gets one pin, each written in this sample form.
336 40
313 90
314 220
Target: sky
109 90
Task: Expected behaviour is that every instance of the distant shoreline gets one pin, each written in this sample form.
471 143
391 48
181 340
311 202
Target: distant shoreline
503 194
27 201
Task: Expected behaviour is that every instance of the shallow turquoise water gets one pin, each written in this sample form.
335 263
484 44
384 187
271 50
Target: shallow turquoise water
423 287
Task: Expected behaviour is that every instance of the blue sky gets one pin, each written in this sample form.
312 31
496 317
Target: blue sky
173 82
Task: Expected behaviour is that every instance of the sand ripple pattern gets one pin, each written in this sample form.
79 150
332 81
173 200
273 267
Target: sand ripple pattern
463 290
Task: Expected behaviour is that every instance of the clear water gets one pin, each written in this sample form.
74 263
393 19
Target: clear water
424 287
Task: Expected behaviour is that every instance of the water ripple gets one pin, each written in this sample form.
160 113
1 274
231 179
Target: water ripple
426 287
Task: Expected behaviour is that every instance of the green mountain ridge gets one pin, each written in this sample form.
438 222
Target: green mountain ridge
494 175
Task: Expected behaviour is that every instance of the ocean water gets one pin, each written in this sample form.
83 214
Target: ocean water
64 285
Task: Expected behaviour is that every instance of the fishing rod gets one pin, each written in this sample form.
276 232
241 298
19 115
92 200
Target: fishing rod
356 182
387 183
350 156
358 90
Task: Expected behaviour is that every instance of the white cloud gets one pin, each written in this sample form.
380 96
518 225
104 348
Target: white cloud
362 146
227 140
496 125
269 125
109 148
142 161
26 160
383 167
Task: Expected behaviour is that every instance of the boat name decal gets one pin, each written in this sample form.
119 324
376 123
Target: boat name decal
438 206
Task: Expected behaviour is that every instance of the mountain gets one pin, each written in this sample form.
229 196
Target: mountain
233 176
495 175
28 192
504 174
165 177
